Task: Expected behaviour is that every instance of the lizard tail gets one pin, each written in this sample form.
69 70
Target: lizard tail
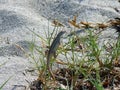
51 73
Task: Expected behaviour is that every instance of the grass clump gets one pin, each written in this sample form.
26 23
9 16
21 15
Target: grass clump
84 64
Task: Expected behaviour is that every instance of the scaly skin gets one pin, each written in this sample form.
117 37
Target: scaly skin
55 44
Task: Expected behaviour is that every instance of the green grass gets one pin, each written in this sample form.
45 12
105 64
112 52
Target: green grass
2 85
82 54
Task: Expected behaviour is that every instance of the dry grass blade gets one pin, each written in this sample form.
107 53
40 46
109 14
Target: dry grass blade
86 25
102 25
56 23
74 22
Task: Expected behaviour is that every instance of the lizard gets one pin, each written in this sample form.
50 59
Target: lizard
55 44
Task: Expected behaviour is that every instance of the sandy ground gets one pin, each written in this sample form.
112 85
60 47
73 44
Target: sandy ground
16 16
